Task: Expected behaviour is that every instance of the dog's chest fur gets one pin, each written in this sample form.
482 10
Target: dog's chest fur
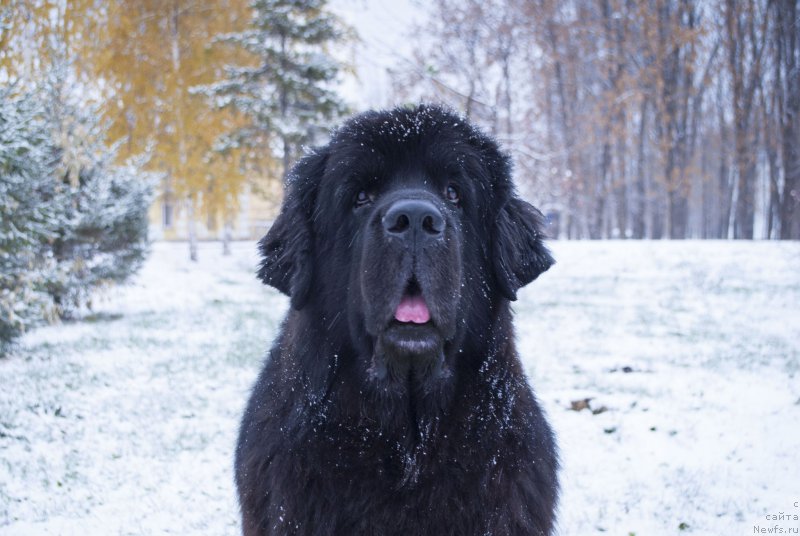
345 474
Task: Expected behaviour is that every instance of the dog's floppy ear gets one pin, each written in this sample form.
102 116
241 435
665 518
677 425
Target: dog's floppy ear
287 249
519 253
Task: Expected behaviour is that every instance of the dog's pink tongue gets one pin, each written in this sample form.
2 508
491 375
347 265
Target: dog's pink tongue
412 309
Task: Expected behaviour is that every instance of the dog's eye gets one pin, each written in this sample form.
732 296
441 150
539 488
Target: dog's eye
362 198
452 194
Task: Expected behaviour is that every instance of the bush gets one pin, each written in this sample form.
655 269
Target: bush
104 238
70 220
31 206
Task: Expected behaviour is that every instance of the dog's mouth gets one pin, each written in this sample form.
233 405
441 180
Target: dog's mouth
412 329
412 308
411 343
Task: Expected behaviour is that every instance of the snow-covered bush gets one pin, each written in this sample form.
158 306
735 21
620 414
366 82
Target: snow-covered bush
71 220
103 238
31 207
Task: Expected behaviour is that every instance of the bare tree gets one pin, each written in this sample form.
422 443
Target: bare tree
642 119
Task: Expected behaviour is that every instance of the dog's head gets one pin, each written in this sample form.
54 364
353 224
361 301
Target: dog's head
406 228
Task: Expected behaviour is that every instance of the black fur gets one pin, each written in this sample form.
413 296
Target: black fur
359 424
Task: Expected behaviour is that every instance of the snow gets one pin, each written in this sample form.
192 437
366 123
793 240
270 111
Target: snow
705 429
125 422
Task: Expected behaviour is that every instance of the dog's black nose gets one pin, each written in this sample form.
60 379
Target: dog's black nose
417 218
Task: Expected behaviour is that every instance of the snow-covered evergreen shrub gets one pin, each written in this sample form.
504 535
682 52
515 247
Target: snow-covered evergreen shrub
103 238
31 207
71 220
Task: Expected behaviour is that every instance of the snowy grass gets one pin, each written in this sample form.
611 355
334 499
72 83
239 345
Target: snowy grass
689 354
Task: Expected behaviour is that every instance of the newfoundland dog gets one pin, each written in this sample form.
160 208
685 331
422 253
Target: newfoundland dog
393 401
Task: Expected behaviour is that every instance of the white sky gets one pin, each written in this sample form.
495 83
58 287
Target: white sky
384 28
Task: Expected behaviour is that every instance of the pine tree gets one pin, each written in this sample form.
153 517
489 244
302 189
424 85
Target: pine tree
287 96
31 207
71 218
103 237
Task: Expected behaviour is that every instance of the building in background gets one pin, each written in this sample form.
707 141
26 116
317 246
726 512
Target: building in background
259 203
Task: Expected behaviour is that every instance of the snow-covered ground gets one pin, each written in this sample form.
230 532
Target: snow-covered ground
689 354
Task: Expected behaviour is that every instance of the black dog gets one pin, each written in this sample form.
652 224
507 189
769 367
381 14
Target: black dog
393 401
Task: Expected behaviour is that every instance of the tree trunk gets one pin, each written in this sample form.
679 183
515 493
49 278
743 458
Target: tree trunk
745 74
191 227
577 216
639 181
284 111
789 28
287 157
622 187
191 223
724 186
602 191
745 172
227 236
768 113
